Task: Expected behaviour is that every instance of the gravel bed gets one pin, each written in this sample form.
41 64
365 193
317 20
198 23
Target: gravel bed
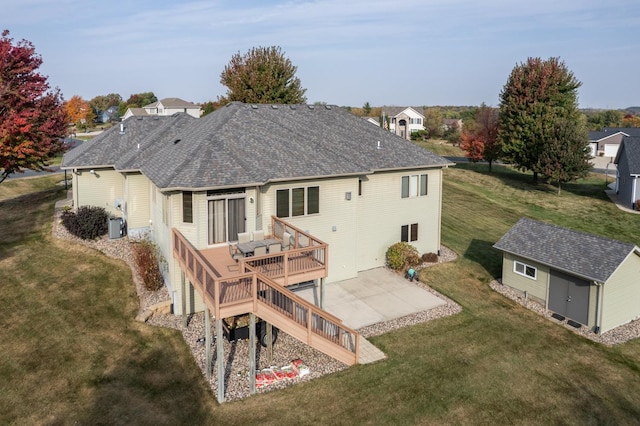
616 336
236 353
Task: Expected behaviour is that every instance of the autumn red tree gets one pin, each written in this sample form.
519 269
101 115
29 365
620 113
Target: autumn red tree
480 138
32 118
79 111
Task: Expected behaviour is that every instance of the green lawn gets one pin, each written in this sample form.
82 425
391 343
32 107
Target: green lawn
72 351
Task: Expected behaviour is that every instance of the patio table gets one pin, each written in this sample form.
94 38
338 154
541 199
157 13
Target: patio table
248 248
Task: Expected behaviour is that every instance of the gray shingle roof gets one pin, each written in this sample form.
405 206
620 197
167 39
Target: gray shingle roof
243 144
589 256
631 148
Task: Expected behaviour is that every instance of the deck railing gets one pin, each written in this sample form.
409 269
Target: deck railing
253 291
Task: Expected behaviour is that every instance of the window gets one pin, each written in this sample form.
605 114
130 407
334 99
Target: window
405 236
414 185
187 207
416 121
298 201
525 270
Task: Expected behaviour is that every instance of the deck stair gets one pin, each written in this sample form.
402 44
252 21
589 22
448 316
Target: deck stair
251 291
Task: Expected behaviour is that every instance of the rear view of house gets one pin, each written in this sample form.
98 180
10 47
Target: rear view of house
247 168
589 279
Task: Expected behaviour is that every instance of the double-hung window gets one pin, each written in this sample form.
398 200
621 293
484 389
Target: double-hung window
298 201
414 185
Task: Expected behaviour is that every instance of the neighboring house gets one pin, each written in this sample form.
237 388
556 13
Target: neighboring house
627 162
452 124
110 114
167 106
589 279
135 112
325 171
606 141
403 120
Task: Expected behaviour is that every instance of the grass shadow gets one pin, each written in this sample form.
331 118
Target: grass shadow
483 253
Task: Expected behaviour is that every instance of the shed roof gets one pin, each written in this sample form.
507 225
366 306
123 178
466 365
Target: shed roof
244 144
586 255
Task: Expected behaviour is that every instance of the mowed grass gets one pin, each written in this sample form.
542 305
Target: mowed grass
72 352
494 363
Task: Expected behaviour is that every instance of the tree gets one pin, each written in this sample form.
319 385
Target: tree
262 75
137 100
366 108
34 121
101 103
79 111
481 136
565 156
433 121
539 95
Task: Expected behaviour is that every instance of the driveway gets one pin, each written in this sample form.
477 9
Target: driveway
376 295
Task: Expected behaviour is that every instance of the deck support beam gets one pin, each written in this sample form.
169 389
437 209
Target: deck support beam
269 343
252 353
207 341
321 293
220 359
183 288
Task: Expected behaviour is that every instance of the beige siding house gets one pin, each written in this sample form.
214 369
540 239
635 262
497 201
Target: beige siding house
591 280
356 187
166 106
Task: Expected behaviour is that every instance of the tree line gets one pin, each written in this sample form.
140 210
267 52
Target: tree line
537 126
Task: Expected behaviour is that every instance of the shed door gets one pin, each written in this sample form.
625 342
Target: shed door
569 296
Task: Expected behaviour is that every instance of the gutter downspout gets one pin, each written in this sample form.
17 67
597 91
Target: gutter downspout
598 307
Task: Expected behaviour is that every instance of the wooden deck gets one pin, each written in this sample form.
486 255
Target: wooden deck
256 285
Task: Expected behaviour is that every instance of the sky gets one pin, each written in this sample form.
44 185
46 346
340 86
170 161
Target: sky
347 52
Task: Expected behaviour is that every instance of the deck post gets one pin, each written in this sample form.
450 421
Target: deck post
220 356
207 340
252 353
269 343
321 293
184 298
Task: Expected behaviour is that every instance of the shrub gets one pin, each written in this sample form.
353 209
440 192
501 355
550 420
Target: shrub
88 222
148 259
637 204
402 256
430 257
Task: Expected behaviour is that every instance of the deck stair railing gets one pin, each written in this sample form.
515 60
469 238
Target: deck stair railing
250 291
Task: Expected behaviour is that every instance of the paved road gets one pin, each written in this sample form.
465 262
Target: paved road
34 173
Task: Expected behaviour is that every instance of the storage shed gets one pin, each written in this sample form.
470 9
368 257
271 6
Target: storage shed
592 280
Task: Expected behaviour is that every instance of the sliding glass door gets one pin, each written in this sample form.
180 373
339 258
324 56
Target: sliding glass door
226 219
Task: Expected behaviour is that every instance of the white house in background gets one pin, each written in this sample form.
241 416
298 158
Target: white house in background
167 106
403 120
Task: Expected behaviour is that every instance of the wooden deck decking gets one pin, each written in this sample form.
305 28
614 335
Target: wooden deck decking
256 285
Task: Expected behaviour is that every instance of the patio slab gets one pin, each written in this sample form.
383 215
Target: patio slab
376 295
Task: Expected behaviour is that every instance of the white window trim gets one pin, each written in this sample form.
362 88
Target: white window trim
525 266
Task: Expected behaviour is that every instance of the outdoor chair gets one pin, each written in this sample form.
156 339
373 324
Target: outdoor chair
275 248
234 252
258 235
259 251
244 237
286 241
